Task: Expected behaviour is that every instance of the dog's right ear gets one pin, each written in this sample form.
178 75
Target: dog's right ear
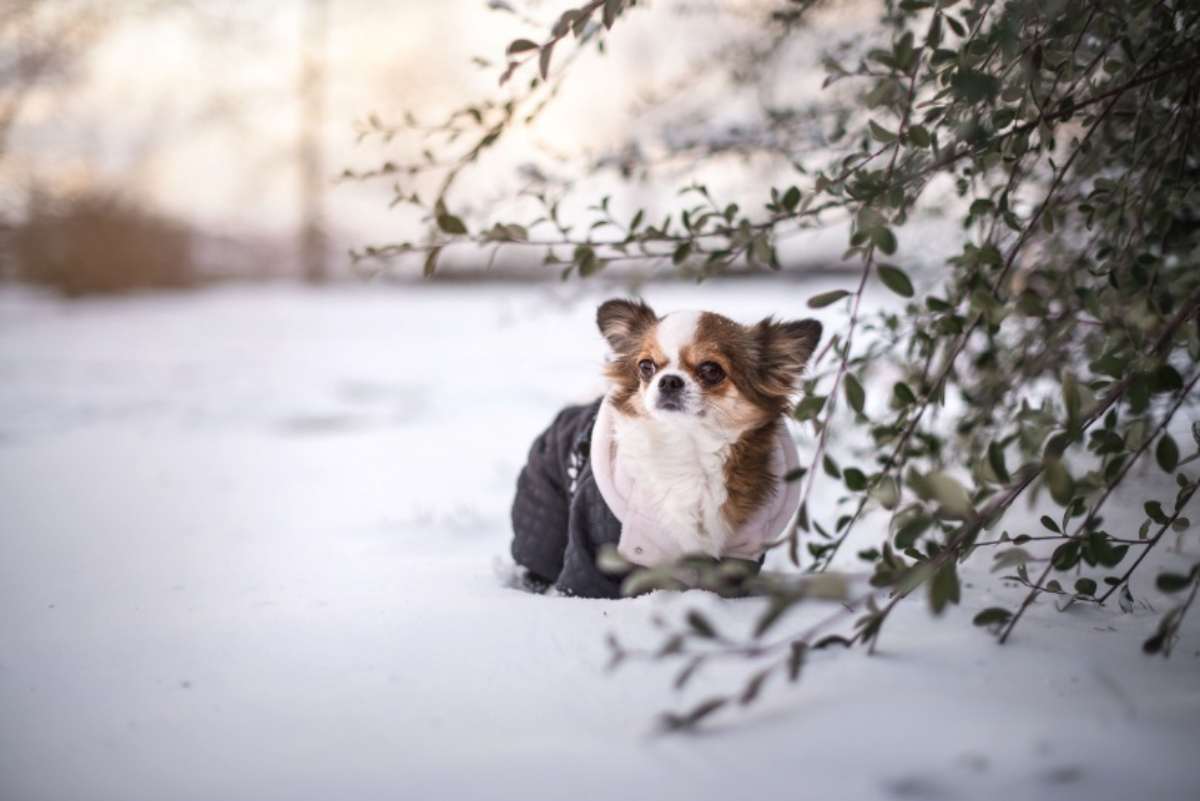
784 350
623 322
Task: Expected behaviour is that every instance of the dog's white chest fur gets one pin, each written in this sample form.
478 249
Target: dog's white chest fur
679 472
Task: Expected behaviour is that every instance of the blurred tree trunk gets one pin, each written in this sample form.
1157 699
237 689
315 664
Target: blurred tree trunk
313 252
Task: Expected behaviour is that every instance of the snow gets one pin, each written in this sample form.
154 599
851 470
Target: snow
253 546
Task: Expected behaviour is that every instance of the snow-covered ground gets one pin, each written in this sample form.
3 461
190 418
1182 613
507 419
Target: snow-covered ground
252 546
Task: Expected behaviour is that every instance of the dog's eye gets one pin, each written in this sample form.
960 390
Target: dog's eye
646 368
710 373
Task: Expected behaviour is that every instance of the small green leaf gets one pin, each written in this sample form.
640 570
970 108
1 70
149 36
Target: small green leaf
520 46
1167 453
544 60
753 687
585 259
1010 557
855 479
826 298
1056 446
1166 379
795 474
992 616
431 260
996 460
1003 118
885 240
919 136
791 198
895 279
831 467
1066 555
688 720
973 85
983 205
1155 512
1058 479
700 625
881 133
911 530
611 9
1085 586
944 588
451 224
810 407
761 251
855 395
831 639
799 650
681 253
887 492
950 494
802 517
1172 582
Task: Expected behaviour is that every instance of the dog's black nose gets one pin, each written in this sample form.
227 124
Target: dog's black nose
670 384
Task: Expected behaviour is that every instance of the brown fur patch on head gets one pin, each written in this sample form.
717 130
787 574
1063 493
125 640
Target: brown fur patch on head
734 402
626 325
764 363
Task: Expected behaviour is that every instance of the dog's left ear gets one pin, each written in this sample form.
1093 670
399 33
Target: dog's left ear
622 322
784 348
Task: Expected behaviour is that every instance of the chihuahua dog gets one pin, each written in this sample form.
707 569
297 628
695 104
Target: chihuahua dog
685 455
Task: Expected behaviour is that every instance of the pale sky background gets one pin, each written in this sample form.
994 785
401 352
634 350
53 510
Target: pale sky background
194 107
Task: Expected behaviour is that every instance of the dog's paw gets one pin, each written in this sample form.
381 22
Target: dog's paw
519 578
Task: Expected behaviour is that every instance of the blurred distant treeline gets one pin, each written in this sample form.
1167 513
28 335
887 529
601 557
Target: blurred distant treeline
97 242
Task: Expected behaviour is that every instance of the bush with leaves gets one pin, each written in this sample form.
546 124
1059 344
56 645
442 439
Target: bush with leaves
1061 340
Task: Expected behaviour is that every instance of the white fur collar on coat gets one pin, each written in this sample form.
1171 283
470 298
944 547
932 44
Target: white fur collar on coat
646 541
